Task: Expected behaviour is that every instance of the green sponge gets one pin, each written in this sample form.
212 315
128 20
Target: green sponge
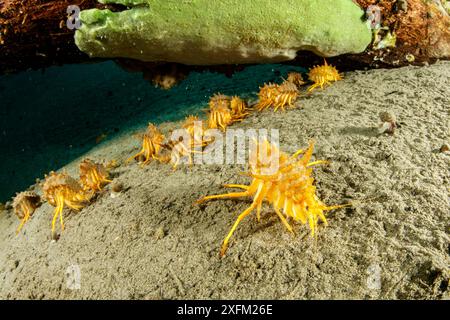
208 32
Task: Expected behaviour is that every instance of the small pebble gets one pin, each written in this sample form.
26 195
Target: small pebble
13 265
444 148
141 158
117 187
159 233
112 164
386 116
389 123
410 58
54 237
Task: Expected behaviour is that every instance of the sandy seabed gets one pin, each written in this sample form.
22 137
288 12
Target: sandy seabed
151 242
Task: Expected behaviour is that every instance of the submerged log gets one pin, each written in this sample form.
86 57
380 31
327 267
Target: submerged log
421 30
34 34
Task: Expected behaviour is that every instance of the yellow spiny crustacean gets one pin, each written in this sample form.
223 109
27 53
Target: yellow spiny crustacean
93 176
189 145
196 130
323 75
60 189
295 78
219 113
152 143
289 189
266 96
277 96
239 108
24 205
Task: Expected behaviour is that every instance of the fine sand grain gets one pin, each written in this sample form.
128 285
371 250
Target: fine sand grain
151 242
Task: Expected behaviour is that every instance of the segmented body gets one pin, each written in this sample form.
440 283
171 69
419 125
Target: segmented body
152 143
277 96
239 109
196 130
219 114
93 176
323 75
295 78
188 144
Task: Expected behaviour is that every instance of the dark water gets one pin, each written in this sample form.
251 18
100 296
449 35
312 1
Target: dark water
48 118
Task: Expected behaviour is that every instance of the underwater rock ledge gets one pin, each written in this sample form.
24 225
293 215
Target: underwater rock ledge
33 34
247 31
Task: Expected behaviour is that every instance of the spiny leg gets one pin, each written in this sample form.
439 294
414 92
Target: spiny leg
240 186
257 200
55 216
284 221
95 179
312 224
222 124
135 156
58 211
61 221
238 220
101 179
177 160
258 212
322 217
317 84
297 153
148 158
22 222
311 88
337 206
318 162
224 196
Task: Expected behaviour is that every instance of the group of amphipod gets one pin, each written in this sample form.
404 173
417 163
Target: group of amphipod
289 190
60 190
223 111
